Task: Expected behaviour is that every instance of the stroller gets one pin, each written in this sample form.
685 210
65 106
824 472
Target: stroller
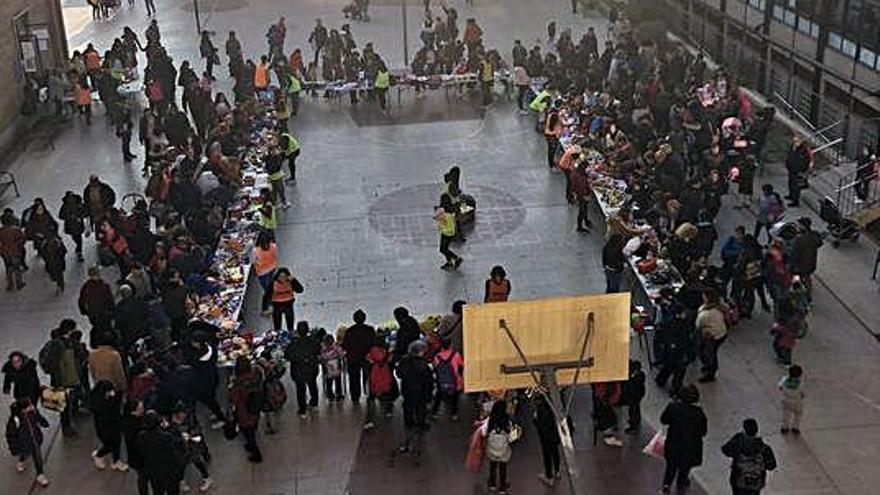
839 228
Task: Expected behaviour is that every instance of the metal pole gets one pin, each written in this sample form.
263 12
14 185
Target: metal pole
405 41
568 456
198 21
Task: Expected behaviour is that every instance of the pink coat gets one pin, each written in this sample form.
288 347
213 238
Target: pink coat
457 363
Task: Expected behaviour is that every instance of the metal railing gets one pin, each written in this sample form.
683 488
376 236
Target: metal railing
854 193
821 139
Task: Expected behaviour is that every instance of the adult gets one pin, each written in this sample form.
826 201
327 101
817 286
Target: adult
208 51
497 286
613 262
98 198
451 326
246 380
751 458
318 38
20 377
548 435
133 427
60 360
284 289
357 342
805 252
73 213
798 162
770 210
686 426
265 258
712 325
12 250
96 300
303 353
106 405
105 363
408 331
416 387
164 454
675 346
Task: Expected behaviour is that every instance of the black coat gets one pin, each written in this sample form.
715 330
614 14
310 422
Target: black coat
107 413
545 422
303 354
357 342
417 380
740 445
131 320
684 438
164 454
133 429
805 253
23 382
408 333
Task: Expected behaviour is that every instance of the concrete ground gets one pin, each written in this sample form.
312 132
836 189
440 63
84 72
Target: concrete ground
359 234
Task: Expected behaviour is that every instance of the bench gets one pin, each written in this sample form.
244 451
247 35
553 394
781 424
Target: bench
7 180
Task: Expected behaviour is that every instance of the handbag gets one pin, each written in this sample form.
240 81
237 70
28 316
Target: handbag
657 445
54 398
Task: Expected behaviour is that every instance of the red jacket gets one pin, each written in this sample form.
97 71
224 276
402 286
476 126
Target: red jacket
238 397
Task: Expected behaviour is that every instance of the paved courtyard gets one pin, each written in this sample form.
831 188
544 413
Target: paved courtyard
360 234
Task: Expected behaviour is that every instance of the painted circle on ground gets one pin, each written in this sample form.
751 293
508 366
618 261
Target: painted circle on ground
405 216
216 5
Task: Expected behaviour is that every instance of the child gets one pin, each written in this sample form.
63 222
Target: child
793 395
633 393
24 437
196 450
785 331
276 394
448 366
498 449
606 398
331 360
382 385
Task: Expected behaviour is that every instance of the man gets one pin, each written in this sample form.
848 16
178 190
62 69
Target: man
805 252
60 360
798 162
261 74
487 80
751 458
105 362
233 51
275 37
407 333
730 253
209 53
12 250
291 148
450 327
303 352
98 198
417 388
358 340
519 54
96 300
151 7
318 38
164 452
865 173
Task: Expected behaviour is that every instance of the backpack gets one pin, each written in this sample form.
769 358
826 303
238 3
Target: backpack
333 367
49 356
447 383
380 379
750 471
68 370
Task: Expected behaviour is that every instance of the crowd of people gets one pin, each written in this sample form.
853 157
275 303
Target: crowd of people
677 133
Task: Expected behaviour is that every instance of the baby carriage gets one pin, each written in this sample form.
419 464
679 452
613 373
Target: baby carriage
839 228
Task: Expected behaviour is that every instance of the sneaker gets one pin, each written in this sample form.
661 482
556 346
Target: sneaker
285 205
784 431
613 441
368 426
665 490
119 466
255 458
20 467
303 416
184 488
42 480
454 417
547 481
205 485
218 424
100 463
796 431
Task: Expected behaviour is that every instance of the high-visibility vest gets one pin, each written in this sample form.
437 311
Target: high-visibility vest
383 79
261 76
83 96
447 225
539 104
294 86
487 72
269 222
292 144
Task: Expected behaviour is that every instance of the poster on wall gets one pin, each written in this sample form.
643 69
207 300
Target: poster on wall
28 55
42 37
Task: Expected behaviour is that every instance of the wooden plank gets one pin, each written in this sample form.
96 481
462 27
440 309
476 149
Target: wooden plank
549 331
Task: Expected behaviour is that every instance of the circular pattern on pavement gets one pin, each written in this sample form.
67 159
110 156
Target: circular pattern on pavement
406 215
209 6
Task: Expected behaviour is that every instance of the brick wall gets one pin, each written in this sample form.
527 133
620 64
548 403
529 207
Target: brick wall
39 12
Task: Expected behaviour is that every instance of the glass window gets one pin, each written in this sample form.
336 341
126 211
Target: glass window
814 30
834 40
777 13
867 57
803 25
790 18
849 48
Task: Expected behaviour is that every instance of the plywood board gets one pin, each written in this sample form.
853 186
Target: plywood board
548 331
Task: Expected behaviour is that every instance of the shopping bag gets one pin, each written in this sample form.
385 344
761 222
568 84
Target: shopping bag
54 398
656 446
476 452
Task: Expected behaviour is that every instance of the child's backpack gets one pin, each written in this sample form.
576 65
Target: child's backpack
276 396
333 366
498 446
381 379
49 356
447 382
750 471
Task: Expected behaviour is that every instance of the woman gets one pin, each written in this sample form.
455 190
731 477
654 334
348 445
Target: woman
686 426
106 409
73 213
265 260
444 215
548 434
20 377
54 252
246 380
552 132
38 224
133 426
497 286
498 450
284 290
712 324
25 438
613 263
749 278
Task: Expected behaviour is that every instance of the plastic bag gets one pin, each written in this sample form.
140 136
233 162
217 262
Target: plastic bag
656 446
476 451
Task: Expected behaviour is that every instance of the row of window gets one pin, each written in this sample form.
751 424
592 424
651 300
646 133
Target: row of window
848 47
790 18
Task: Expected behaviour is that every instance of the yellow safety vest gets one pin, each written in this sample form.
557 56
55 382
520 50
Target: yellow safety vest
292 144
539 104
447 225
487 72
383 80
269 222
295 86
